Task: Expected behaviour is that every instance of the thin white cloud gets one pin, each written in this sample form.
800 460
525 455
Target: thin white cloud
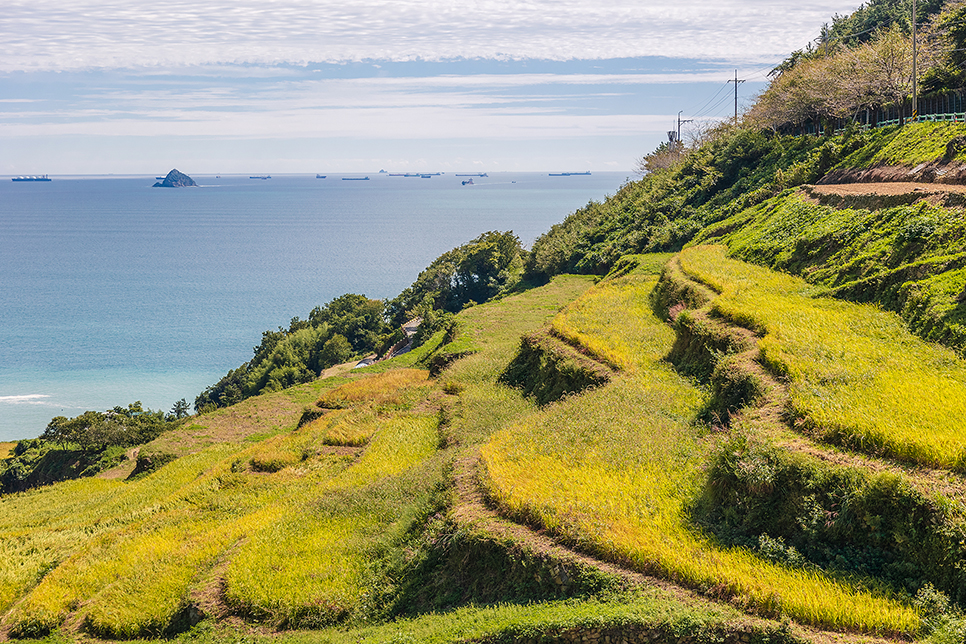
386 123
26 399
490 105
85 34
464 90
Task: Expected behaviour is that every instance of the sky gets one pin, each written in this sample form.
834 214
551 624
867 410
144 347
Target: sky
304 86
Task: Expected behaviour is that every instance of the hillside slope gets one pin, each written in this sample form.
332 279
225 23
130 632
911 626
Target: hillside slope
368 512
752 436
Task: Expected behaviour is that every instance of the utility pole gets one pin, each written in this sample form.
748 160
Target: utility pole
680 122
736 82
915 86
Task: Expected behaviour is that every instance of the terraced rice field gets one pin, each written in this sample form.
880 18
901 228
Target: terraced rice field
856 376
293 523
612 471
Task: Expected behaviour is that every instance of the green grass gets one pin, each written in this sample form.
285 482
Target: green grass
614 326
649 611
510 623
857 376
908 259
919 143
252 419
125 556
298 528
301 534
613 471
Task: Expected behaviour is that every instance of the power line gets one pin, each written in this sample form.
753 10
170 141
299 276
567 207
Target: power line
713 108
720 89
737 83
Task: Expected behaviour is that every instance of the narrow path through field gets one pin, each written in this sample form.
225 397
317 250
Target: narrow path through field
886 188
125 467
471 510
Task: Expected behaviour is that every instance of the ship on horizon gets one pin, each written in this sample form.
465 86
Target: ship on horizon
570 174
38 177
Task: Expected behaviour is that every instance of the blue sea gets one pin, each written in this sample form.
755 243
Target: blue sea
113 291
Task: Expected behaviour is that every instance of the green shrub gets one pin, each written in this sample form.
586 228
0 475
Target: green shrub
148 462
834 517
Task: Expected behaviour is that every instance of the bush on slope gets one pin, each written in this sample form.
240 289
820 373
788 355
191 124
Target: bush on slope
734 169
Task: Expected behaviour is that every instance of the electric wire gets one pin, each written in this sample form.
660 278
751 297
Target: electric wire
714 108
695 112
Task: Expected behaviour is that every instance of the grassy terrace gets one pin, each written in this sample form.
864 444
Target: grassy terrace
857 377
290 527
312 528
508 623
125 558
612 471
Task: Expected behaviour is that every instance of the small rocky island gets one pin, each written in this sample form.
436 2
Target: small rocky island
175 179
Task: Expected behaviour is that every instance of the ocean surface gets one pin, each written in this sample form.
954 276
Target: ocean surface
113 291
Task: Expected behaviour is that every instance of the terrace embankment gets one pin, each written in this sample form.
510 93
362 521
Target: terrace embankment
942 172
615 472
548 368
778 476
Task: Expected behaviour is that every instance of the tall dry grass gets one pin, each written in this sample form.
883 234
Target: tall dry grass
857 376
613 471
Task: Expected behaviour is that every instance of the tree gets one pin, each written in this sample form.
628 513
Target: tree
869 75
336 350
360 320
667 155
180 409
476 271
94 431
945 37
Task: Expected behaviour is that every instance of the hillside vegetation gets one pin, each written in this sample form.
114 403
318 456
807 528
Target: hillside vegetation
722 405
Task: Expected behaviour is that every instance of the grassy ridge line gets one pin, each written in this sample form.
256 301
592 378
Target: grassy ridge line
857 377
613 471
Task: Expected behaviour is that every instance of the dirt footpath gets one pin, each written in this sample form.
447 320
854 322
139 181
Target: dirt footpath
887 189
885 194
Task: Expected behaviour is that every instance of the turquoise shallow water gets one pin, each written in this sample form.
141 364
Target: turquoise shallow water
113 291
